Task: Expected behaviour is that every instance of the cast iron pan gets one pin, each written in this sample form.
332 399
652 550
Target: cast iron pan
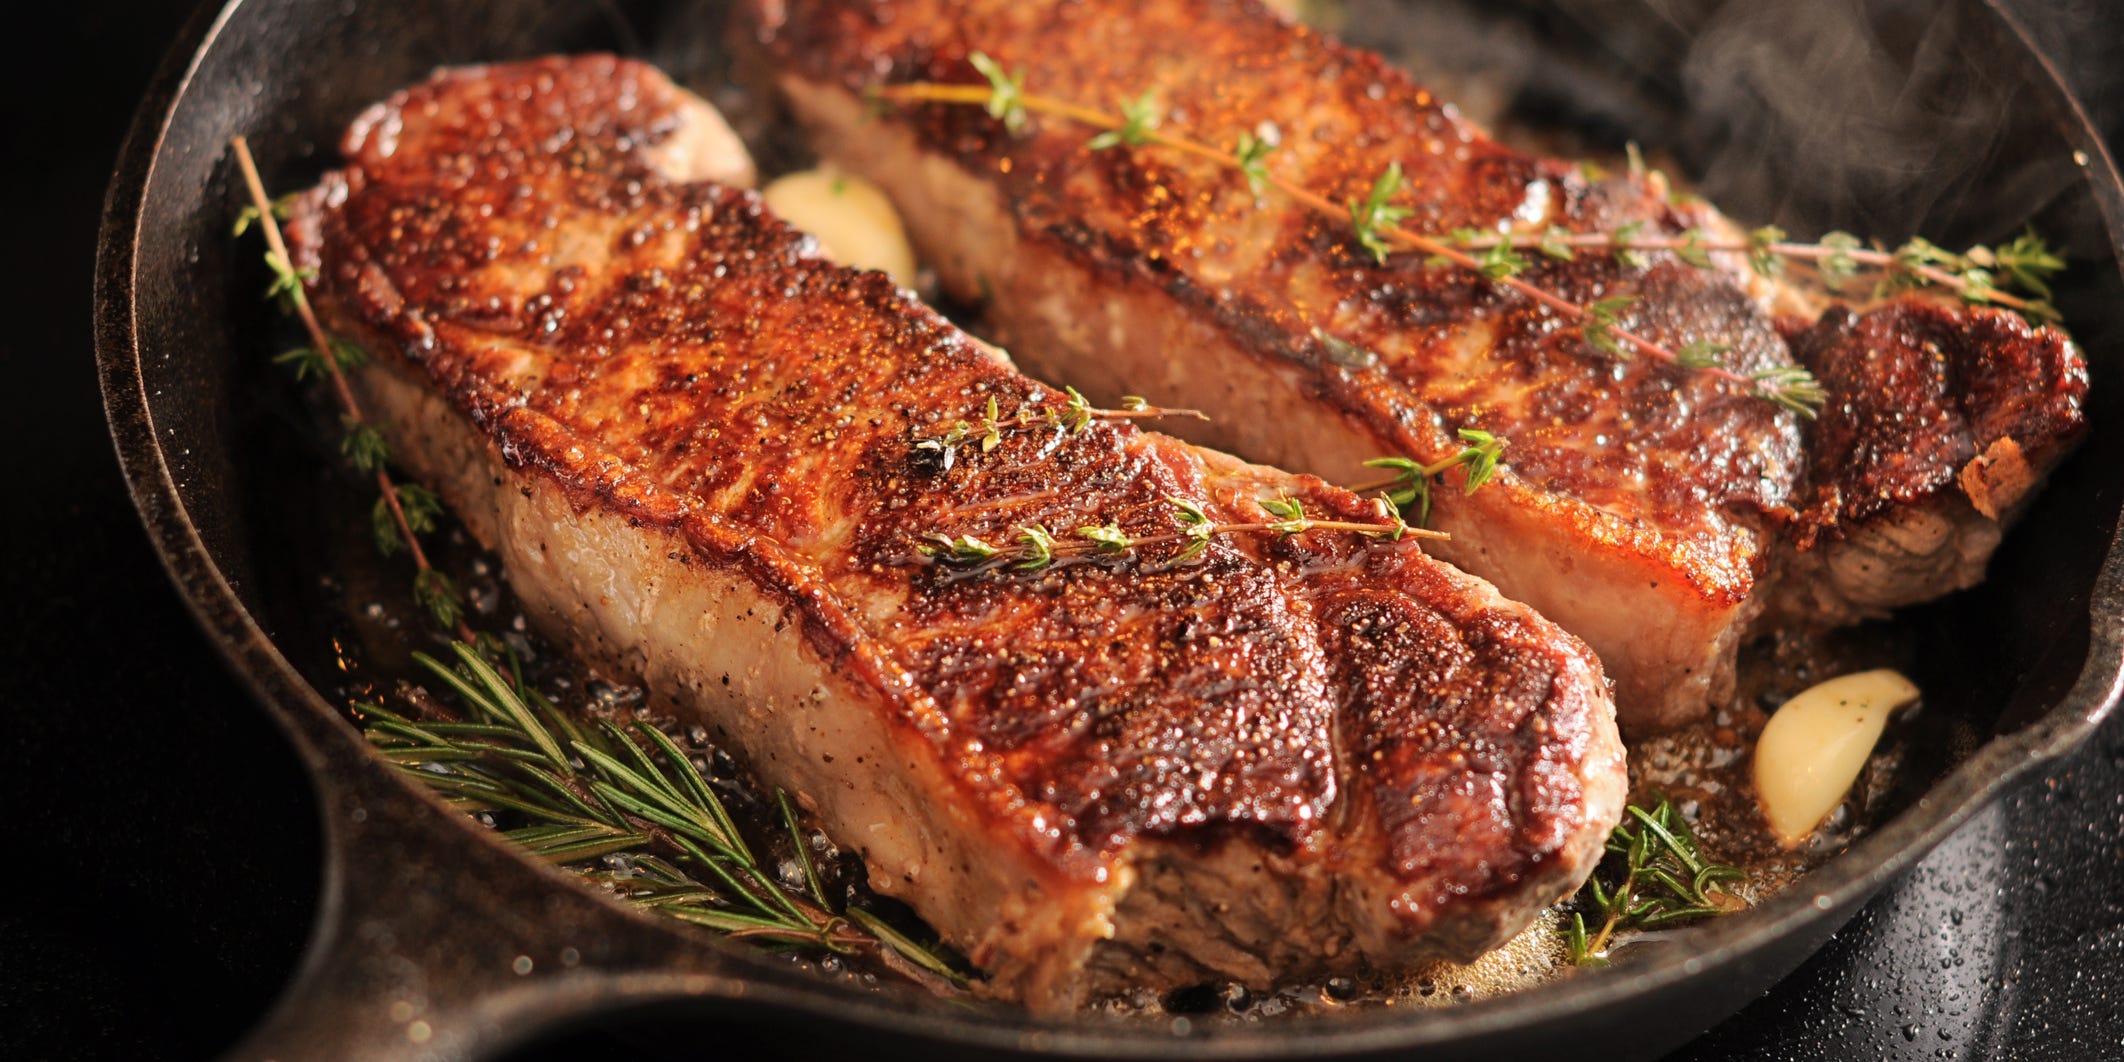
433 938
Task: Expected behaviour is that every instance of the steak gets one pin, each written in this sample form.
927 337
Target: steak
710 461
1659 513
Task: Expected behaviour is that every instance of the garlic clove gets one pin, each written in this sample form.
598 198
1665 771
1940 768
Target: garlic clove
853 221
1814 747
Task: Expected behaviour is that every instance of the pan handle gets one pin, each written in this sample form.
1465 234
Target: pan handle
431 944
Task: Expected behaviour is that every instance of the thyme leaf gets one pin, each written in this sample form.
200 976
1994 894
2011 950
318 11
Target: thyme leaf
1006 91
960 550
1703 354
1839 264
1624 244
1077 414
1109 538
1762 254
305 362
1603 326
1037 547
438 596
1138 118
1692 249
1654 874
1408 490
1555 243
287 280
249 215
1376 213
363 445
1501 260
991 428
1250 154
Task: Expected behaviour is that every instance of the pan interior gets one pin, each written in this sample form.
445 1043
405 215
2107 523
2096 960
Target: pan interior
1936 122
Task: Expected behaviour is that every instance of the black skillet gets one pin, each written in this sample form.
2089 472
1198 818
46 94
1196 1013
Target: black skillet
434 939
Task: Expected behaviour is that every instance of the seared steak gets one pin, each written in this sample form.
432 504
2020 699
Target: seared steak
1656 512
699 449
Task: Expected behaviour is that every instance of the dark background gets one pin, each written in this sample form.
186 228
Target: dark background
165 846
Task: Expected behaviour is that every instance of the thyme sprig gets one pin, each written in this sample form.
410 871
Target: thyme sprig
627 809
2015 275
1035 547
1072 415
1373 217
1663 879
1409 488
1374 220
330 358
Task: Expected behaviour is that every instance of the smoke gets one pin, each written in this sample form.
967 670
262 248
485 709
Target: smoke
1890 118
1886 118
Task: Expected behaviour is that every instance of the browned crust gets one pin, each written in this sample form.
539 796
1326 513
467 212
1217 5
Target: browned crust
1685 455
1932 404
671 354
1700 500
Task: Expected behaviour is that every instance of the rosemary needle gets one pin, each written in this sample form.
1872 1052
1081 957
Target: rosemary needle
627 809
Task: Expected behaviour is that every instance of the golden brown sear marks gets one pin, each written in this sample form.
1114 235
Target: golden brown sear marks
1658 512
670 355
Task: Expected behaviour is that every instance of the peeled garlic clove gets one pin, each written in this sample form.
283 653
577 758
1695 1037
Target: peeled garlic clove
854 222
1814 747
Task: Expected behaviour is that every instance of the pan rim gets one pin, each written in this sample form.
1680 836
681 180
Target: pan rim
1833 890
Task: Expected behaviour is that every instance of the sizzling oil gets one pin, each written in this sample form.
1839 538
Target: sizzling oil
1705 769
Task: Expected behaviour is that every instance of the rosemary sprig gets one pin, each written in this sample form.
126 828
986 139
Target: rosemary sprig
626 809
328 358
1035 547
1375 224
1664 879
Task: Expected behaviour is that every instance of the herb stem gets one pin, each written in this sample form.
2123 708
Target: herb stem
1424 472
341 388
1035 548
1284 527
1808 252
1147 413
653 833
934 92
